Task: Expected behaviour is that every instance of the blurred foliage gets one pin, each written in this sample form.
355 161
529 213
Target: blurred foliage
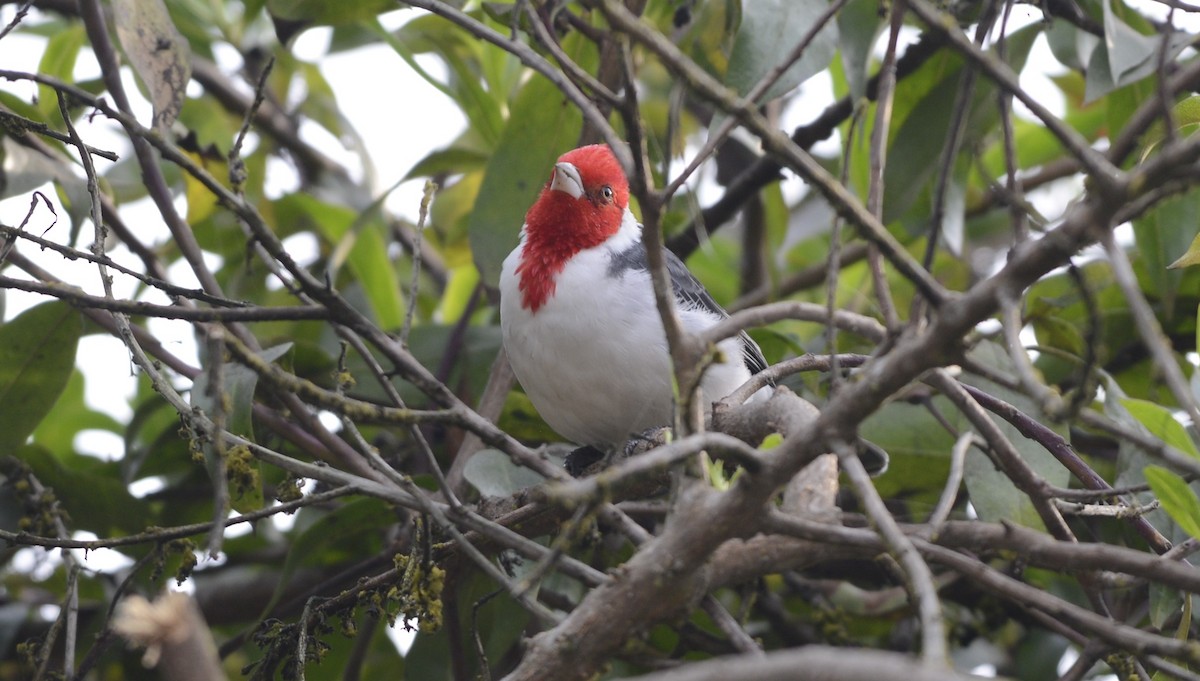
517 122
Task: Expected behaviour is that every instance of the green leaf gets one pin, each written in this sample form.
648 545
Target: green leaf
323 13
58 61
89 489
1161 233
709 35
26 170
993 493
1177 498
770 30
454 160
1053 332
497 622
459 290
69 416
377 659
1035 145
1165 602
542 125
362 240
1126 48
348 532
917 139
1190 257
1186 115
37 356
859 24
1071 45
494 474
1161 425
1130 57
919 448
1133 464
160 56
151 419
237 398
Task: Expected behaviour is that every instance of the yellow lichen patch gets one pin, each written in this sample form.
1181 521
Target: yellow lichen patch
241 470
419 594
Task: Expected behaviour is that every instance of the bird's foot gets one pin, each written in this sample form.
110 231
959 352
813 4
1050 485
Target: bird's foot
587 460
646 440
584 461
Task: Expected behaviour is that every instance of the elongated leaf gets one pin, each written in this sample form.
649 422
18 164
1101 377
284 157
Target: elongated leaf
1177 498
1161 424
58 61
1126 48
1187 121
89 489
237 398
1161 235
450 160
993 493
859 25
917 141
457 296
769 32
70 415
160 56
1071 45
1190 257
493 473
1134 467
367 251
710 33
1103 77
37 355
348 532
435 35
320 12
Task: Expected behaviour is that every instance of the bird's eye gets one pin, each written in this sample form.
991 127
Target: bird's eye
606 192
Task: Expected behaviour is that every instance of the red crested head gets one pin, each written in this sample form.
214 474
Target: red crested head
581 206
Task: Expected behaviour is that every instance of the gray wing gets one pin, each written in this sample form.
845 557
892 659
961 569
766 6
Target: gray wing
690 292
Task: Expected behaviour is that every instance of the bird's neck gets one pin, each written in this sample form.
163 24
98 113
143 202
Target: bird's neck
551 240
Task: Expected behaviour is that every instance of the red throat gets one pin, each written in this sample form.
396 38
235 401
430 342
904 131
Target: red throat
558 225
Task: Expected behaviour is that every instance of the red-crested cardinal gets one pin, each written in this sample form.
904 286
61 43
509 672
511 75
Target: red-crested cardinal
578 317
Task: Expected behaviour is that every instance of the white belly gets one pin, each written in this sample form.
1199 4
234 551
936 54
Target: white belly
594 358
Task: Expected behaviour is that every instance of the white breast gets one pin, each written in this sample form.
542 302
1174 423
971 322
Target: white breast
594 358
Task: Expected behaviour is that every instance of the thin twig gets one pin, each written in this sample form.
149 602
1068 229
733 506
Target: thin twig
415 281
10 120
1149 328
945 504
138 308
918 577
729 626
878 162
164 534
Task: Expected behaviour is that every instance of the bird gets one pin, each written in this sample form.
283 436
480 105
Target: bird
578 317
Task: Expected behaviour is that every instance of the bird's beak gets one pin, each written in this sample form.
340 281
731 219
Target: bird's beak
566 179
